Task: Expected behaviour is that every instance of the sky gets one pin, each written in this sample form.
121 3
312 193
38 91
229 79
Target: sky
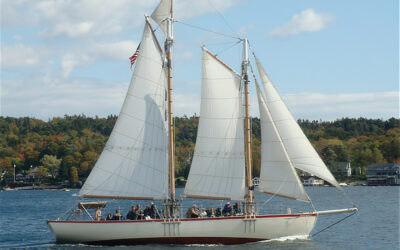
327 59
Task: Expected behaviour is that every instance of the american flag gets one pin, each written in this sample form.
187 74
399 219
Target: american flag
134 56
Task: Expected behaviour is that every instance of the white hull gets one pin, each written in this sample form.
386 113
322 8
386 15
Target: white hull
222 230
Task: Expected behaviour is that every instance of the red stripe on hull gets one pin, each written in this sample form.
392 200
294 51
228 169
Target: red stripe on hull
177 240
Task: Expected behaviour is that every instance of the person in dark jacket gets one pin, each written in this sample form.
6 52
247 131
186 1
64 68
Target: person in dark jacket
117 215
218 212
236 209
154 212
109 216
227 211
132 214
146 212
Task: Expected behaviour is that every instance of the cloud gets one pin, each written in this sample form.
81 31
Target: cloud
192 8
186 104
332 106
64 18
18 55
307 21
71 29
120 50
69 61
46 97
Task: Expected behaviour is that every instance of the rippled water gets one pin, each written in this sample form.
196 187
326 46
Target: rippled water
23 216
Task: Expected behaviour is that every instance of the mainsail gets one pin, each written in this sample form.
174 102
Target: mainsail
217 170
299 149
277 174
134 161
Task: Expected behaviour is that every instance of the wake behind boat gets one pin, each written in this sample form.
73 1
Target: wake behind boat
138 159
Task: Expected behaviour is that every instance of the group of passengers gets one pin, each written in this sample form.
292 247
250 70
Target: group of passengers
194 212
136 213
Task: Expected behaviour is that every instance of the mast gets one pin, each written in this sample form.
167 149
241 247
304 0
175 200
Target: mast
247 136
168 45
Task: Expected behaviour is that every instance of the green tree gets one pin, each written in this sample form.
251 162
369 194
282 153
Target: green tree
73 175
52 164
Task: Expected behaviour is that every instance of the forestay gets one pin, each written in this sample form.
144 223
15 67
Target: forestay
299 149
277 174
133 163
217 170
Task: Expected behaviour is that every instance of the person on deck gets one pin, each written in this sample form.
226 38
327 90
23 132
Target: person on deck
117 215
203 213
139 213
192 212
132 214
153 212
218 212
236 209
109 216
97 214
210 212
146 213
227 211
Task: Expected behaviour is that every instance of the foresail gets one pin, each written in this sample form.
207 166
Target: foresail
161 13
299 149
277 175
133 163
217 170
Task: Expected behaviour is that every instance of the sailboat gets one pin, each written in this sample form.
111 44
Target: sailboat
138 159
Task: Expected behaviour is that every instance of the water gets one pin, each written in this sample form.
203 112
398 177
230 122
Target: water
23 216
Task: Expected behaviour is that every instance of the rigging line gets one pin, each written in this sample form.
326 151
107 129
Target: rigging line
337 222
207 30
228 48
222 17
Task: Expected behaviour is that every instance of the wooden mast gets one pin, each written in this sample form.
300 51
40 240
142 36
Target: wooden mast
168 46
247 135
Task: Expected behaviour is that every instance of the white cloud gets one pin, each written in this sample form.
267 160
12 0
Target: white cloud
120 50
191 8
46 97
332 106
76 18
69 61
18 55
71 29
307 21
186 104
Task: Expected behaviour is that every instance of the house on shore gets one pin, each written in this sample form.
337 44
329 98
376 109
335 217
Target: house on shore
312 181
341 169
383 174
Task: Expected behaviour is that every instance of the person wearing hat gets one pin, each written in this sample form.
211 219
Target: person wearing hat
227 211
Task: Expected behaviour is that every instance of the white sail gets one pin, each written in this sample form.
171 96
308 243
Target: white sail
133 163
277 175
299 149
217 170
161 13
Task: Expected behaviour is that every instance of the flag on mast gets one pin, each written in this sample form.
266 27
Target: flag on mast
134 56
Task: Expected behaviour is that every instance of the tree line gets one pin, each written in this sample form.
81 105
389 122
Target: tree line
67 148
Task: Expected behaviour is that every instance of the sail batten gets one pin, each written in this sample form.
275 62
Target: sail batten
299 149
133 164
217 170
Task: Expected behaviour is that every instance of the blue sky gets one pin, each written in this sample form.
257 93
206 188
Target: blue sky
328 59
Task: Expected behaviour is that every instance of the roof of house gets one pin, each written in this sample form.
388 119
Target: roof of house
382 166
